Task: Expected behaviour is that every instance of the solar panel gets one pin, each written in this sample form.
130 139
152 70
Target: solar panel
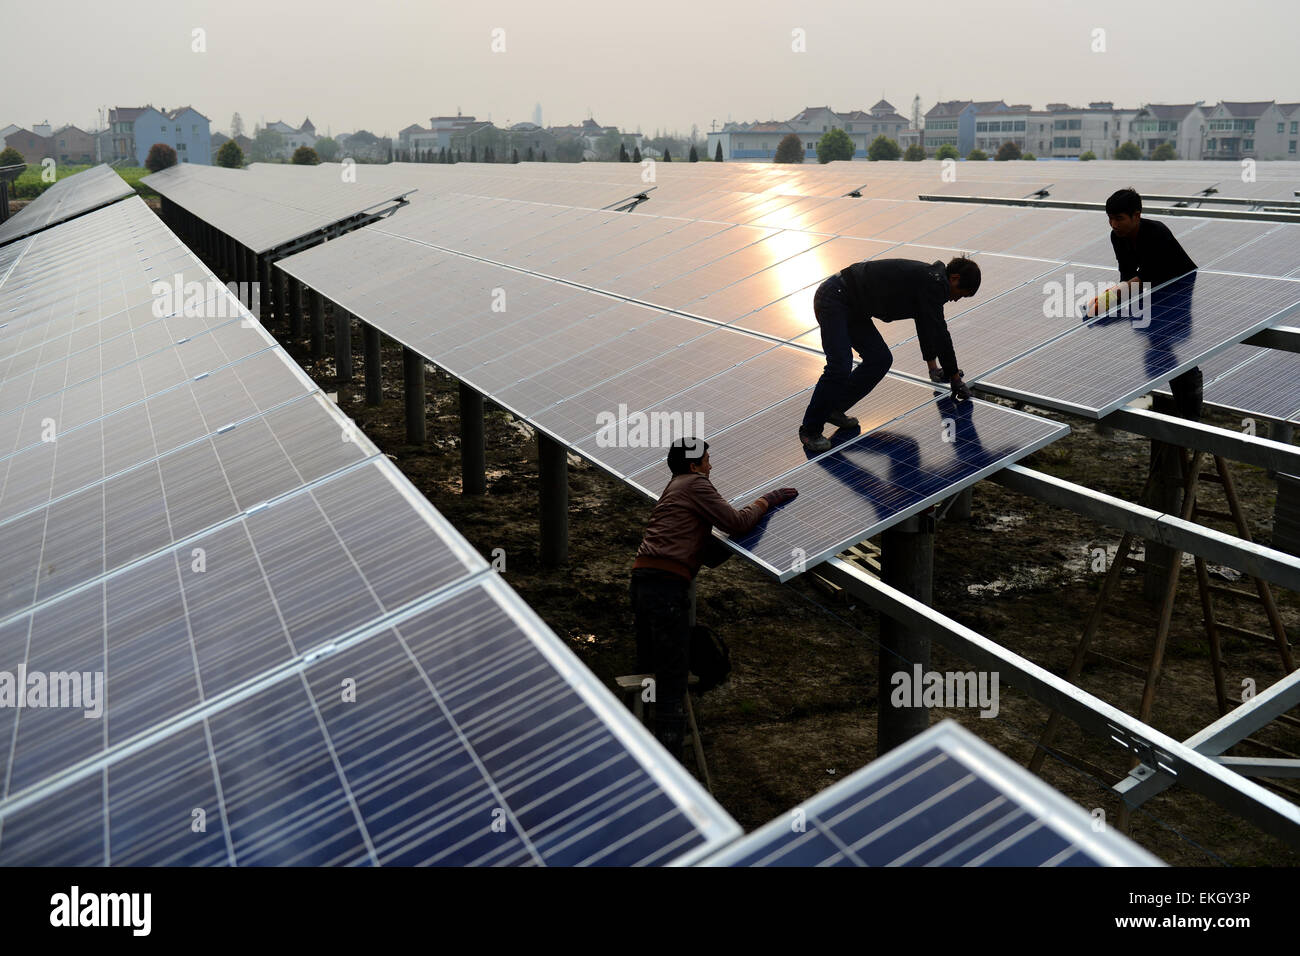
944 798
66 199
218 544
1266 385
1110 361
263 212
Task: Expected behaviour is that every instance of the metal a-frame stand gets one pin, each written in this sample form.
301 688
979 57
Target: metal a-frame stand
1192 476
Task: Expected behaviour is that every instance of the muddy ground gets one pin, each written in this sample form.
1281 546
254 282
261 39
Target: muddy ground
799 710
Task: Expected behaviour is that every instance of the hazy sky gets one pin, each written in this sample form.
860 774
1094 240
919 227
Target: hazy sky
384 64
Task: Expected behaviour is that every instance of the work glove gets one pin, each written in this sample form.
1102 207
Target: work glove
936 376
1101 303
780 496
960 391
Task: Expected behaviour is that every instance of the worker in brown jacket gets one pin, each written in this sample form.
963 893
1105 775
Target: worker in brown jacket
680 530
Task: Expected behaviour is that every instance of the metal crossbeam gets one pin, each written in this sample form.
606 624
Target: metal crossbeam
1248 449
1170 530
1196 771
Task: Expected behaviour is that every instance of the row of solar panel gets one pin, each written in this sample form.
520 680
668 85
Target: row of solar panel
66 199
227 563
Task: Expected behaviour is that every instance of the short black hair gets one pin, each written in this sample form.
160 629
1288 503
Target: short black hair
967 273
1124 202
683 452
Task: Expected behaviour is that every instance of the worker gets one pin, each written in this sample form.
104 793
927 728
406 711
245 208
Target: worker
1149 256
674 547
889 290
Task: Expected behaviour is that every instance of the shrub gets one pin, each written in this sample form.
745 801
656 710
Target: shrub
160 157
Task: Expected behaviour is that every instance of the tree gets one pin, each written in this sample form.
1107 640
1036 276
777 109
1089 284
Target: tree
514 156
695 157
530 155
1008 150
1164 151
623 157
267 144
883 148
947 151
717 154
834 144
636 154
789 150
473 153
569 150
327 148
10 157
160 157
230 155
915 153
668 157
236 126
1030 156
1129 150
305 156
543 155
1087 156
977 156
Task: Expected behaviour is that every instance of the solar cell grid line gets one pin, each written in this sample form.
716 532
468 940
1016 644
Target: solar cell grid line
798 214
684 234
1267 386
966 229
1014 323
179 636
716 403
1108 362
43 472
98 529
130 383
467 712
638 385
944 798
66 199
640 282
1274 252
885 475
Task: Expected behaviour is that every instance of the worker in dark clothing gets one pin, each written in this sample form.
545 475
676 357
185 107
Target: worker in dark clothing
889 290
1148 256
674 546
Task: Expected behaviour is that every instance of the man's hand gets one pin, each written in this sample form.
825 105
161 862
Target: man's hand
780 496
960 390
1102 303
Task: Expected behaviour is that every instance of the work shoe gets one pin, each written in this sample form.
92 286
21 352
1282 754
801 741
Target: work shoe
840 420
814 441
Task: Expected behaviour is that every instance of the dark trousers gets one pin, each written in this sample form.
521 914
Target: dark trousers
844 330
661 603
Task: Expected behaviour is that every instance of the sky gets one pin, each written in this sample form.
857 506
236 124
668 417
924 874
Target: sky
385 64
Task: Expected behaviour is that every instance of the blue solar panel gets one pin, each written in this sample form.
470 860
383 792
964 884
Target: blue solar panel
472 738
1111 360
893 471
944 798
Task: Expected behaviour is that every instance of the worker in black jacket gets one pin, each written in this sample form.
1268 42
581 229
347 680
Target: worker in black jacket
889 290
1149 256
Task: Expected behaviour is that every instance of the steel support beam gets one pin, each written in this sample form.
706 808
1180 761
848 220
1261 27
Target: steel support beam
316 304
473 457
413 388
373 352
1197 772
1169 530
553 466
295 307
342 343
1145 782
1251 450
906 564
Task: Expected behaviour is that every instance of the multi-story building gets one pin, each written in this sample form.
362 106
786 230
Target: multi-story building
1183 126
757 141
1291 119
952 123
32 147
133 130
291 138
1246 131
72 145
1098 128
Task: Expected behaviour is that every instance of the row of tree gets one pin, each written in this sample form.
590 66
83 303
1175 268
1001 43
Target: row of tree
836 145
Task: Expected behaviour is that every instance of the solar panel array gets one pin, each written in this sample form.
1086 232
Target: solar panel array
613 314
263 210
292 656
66 199
944 798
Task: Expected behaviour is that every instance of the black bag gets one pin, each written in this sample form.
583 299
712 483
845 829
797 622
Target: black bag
710 658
